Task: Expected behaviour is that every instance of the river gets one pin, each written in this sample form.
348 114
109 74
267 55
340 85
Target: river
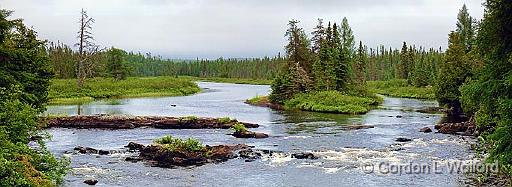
343 153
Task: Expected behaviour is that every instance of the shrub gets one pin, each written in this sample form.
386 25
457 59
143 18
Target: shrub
190 118
239 128
176 144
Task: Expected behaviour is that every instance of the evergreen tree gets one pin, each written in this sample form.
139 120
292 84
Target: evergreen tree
360 64
466 28
404 62
489 96
116 65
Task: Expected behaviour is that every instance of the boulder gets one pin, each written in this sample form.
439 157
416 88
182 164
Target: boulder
91 182
132 146
249 134
426 130
401 139
304 156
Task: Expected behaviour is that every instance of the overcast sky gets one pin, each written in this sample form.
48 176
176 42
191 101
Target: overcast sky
229 28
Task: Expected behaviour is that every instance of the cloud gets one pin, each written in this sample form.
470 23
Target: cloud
214 28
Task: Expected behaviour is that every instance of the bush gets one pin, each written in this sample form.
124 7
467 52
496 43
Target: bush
176 144
239 128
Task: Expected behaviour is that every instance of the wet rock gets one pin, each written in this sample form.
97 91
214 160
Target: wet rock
132 146
462 128
86 150
91 182
103 152
130 122
249 154
249 134
159 156
133 159
357 127
426 130
304 156
399 116
401 139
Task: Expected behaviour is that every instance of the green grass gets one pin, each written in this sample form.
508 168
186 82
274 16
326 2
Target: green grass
176 144
65 91
400 88
333 102
239 128
224 120
258 100
231 80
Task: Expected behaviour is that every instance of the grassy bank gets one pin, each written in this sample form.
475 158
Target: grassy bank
231 80
325 101
65 91
333 102
400 88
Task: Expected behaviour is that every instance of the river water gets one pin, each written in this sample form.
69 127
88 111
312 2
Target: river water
346 156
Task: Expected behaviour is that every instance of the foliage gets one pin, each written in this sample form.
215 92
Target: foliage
24 62
401 88
333 102
258 100
98 88
452 74
239 128
190 118
488 95
116 64
176 144
24 77
224 120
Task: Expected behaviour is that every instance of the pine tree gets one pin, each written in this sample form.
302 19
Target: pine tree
404 62
360 64
452 73
466 28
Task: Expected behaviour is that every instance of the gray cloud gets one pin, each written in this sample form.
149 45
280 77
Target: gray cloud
214 28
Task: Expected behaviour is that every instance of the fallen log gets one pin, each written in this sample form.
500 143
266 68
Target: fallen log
130 122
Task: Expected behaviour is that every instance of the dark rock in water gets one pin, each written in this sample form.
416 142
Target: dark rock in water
159 156
132 146
173 105
304 156
399 116
133 159
403 139
357 127
103 152
86 150
249 134
426 130
249 154
91 182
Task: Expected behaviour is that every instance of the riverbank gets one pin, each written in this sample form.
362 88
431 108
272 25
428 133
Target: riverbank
400 88
230 80
66 91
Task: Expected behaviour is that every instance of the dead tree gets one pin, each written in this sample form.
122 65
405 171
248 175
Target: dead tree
86 47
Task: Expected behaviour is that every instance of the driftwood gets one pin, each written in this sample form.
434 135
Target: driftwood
129 122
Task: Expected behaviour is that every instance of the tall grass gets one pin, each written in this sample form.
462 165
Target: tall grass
400 88
64 91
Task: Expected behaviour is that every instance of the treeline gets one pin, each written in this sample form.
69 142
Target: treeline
113 61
